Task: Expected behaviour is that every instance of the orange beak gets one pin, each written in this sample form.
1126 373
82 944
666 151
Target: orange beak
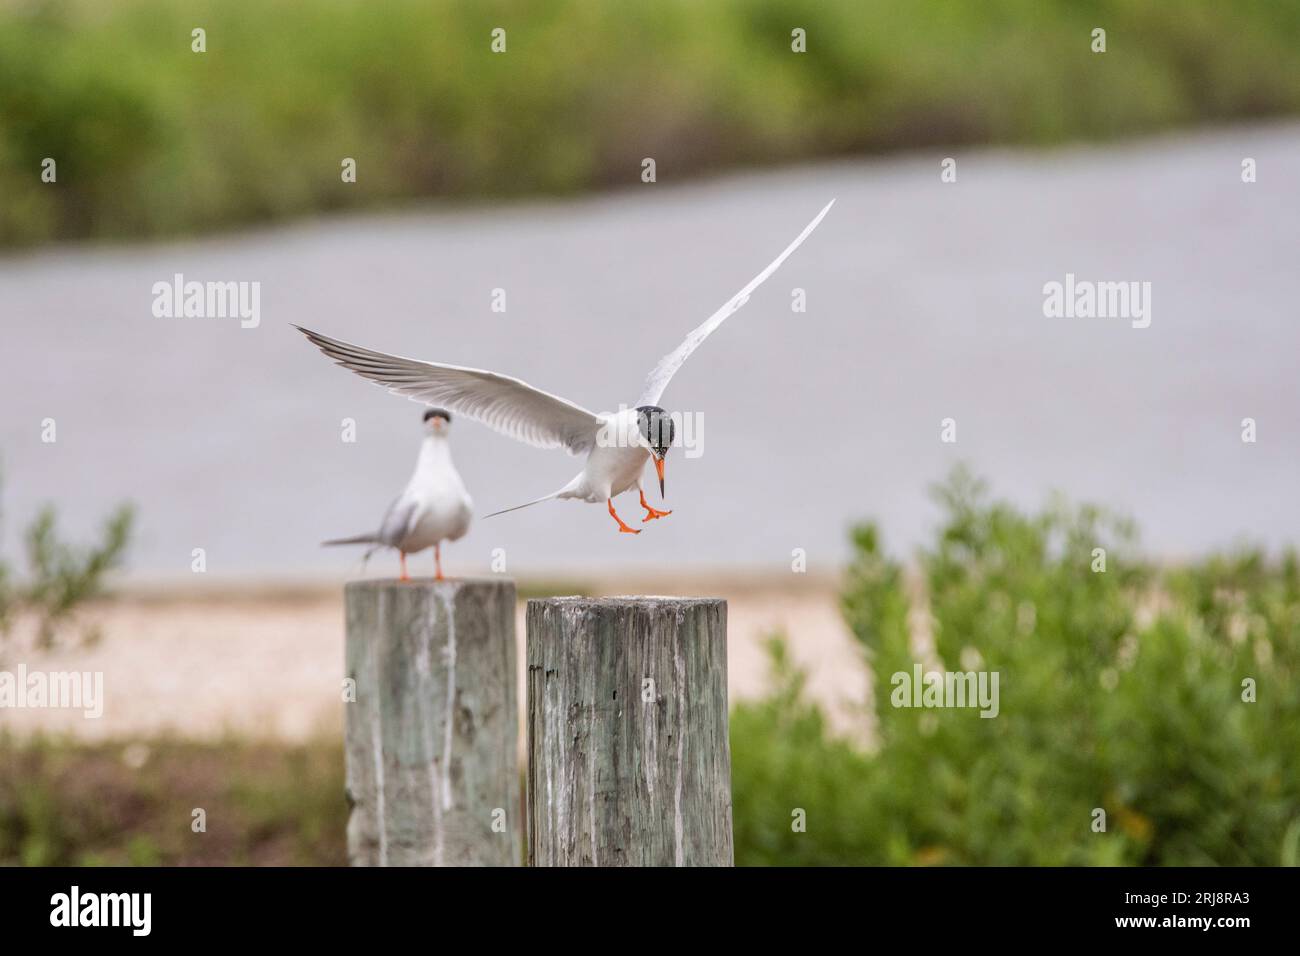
659 468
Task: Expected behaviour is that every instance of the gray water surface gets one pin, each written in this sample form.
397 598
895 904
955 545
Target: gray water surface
924 302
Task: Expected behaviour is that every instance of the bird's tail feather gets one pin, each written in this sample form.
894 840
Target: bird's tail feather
527 504
359 539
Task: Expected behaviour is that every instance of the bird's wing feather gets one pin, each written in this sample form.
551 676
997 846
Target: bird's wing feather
504 404
397 521
662 373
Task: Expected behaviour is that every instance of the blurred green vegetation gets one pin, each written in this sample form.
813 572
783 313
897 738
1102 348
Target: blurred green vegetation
131 803
1120 690
153 139
60 577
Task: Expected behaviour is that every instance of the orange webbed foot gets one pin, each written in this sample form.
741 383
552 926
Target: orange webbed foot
651 513
623 528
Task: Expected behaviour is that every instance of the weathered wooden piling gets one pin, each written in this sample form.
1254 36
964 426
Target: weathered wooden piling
628 758
432 732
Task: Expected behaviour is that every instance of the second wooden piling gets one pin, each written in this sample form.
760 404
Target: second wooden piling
629 762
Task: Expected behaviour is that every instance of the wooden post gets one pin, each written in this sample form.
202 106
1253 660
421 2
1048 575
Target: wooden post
432 734
628 758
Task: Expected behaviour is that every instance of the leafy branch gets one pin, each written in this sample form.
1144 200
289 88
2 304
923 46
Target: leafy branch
61 577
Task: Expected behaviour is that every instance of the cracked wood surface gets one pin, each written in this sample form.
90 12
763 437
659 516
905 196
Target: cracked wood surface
629 762
431 738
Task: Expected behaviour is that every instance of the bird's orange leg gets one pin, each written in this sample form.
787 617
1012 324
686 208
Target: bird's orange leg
650 513
437 560
405 576
621 526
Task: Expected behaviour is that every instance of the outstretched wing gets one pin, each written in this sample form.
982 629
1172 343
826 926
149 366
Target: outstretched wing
504 404
658 379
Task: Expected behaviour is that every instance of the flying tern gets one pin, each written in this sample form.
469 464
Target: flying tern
616 445
432 509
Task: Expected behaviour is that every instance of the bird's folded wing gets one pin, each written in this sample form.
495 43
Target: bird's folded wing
504 404
399 521
662 373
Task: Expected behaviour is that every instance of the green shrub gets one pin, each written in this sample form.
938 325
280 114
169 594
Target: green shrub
1120 690
60 577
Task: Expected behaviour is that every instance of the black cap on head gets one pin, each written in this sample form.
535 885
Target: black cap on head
657 427
439 412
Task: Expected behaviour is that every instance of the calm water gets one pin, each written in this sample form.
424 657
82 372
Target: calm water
924 301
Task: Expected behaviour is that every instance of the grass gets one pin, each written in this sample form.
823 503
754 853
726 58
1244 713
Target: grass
64 803
153 139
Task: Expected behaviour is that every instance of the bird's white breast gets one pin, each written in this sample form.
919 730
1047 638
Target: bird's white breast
616 463
443 506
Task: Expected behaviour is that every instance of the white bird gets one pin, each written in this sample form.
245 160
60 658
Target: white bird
617 445
432 509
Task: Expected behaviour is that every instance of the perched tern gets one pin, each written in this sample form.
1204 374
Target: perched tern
432 509
617 445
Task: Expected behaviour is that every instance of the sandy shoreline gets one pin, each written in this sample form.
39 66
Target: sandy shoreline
265 660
